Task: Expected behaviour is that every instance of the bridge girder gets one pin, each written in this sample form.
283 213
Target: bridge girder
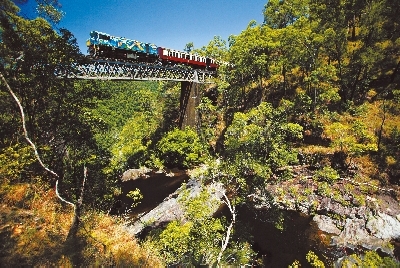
113 70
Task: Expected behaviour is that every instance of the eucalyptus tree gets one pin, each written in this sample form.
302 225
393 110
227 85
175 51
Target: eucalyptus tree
279 14
362 43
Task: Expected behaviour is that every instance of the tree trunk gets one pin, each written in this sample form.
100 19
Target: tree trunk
73 230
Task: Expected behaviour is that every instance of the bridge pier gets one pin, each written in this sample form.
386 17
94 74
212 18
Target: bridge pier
189 100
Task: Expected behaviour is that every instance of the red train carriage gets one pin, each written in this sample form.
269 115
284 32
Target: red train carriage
195 61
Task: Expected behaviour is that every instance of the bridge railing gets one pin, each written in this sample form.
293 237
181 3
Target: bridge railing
114 70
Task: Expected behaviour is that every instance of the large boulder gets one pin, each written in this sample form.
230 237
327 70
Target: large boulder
133 174
171 209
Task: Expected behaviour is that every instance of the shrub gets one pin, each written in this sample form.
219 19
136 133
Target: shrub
15 162
181 148
327 174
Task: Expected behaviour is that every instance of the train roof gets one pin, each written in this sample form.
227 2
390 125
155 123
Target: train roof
93 33
109 36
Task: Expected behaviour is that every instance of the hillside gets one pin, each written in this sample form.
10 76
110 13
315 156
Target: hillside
303 117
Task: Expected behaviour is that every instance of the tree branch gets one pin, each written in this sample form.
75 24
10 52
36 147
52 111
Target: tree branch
21 109
230 227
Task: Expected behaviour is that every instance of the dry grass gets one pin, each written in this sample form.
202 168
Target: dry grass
114 242
34 227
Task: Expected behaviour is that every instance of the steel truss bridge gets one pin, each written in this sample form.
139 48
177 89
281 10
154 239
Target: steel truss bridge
114 70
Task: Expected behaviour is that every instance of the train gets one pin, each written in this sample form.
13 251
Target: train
104 46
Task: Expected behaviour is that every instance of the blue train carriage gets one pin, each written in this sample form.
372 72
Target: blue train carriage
105 46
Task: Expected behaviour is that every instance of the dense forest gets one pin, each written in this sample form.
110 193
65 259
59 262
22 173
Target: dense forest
306 113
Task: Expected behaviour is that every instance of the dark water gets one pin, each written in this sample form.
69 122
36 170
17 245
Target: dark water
154 189
275 247
279 247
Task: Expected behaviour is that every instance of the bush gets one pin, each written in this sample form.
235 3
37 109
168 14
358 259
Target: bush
327 174
181 148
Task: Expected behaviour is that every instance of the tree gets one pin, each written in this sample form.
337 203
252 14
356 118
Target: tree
54 107
199 238
189 47
47 9
350 139
279 14
181 148
216 49
256 146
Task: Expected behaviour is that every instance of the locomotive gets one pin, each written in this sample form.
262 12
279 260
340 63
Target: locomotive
104 46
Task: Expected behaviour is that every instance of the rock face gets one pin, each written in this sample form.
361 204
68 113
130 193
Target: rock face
383 226
369 228
372 225
326 224
171 209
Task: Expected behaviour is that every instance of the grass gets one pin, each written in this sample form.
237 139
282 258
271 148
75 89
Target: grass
34 227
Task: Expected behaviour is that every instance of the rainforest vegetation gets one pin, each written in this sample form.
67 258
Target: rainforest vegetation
317 84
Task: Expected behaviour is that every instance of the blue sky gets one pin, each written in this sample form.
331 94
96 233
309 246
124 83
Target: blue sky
166 23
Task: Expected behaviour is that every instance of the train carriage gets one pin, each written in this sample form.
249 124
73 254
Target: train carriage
102 45
105 46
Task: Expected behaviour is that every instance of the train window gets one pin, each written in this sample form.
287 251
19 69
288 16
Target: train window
104 37
187 56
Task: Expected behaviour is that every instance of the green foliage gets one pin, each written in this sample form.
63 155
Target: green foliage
198 239
280 14
259 139
136 195
294 132
314 261
216 49
369 259
208 117
354 139
15 162
120 103
131 148
55 107
50 9
173 242
327 174
181 148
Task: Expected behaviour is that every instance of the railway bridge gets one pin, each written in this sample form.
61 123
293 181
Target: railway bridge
190 80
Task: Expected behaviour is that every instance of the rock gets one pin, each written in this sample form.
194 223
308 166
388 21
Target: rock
133 174
376 234
354 234
326 224
383 226
170 209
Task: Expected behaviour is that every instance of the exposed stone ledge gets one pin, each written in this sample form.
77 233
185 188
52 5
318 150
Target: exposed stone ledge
171 209
372 226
